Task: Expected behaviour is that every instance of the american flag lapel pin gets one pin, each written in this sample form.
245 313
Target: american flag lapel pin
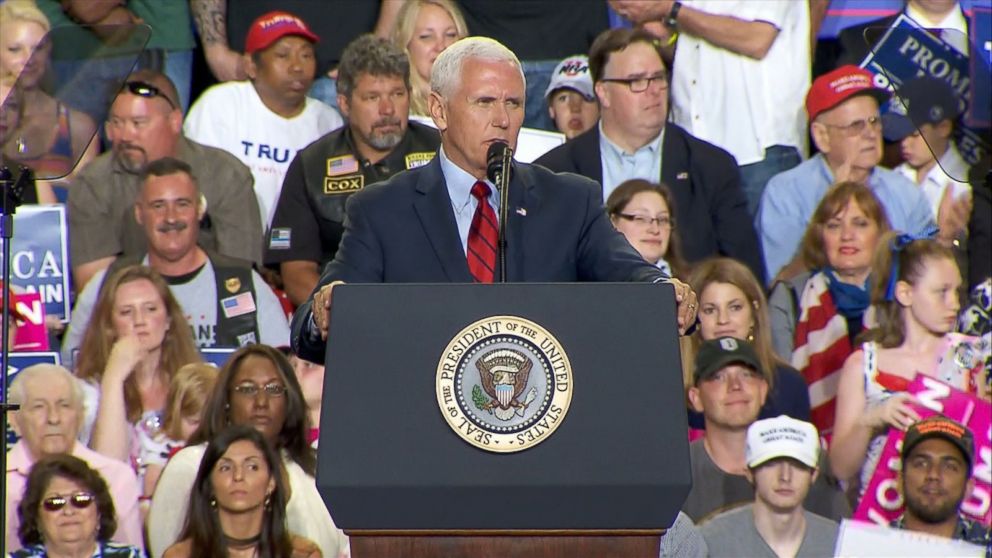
682 176
522 211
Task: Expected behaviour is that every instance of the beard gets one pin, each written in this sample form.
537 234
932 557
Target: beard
131 157
385 141
937 513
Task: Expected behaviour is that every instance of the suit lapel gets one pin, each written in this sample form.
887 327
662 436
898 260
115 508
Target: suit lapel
433 207
524 204
674 158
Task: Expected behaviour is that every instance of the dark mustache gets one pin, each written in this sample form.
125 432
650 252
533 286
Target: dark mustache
387 122
178 226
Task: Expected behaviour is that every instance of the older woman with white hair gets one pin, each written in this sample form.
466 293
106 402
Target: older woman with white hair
48 422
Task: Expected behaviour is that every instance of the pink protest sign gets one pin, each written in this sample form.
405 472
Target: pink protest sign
32 336
881 502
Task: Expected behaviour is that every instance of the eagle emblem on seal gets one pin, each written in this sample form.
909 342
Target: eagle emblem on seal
504 374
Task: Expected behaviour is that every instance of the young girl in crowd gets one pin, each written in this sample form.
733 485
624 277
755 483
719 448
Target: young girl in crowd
135 342
915 291
188 392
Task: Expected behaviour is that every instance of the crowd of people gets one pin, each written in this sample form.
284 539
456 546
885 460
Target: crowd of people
814 280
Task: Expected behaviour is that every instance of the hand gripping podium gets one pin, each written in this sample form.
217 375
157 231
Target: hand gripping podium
519 419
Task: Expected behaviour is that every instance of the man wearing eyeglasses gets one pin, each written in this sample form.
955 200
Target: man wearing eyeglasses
633 140
48 422
145 124
843 108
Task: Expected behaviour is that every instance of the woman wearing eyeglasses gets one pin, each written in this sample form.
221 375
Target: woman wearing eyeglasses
67 511
644 213
257 387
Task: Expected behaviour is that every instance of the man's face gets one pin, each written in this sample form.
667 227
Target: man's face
851 133
486 107
377 111
572 113
935 480
782 484
643 113
142 129
285 70
48 419
730 398
168 211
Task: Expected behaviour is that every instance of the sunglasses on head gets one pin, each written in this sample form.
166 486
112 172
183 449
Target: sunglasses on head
79 500
147 90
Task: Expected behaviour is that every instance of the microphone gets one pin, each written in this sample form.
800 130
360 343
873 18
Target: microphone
498 165
497 160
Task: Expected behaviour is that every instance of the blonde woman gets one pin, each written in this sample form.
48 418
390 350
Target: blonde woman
423 29
50 136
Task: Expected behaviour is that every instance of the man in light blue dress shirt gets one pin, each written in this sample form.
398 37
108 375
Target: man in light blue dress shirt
843 108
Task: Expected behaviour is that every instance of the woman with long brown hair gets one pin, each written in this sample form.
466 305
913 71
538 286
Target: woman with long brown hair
256 387
732 304
238 503
136 340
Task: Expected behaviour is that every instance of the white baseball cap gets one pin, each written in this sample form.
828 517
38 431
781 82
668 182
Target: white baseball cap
572 73
782 436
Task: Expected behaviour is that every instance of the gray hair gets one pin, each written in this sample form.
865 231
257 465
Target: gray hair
18 393
447 69
372 55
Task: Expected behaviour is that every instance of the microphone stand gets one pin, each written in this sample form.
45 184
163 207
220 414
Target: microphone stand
503 183
10 192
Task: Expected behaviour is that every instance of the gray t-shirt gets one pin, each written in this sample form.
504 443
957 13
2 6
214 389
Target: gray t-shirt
733 534
714 491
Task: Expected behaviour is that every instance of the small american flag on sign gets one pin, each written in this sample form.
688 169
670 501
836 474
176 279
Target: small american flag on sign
238 305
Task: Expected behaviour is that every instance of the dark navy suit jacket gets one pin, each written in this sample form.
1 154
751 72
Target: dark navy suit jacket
403 230
710 207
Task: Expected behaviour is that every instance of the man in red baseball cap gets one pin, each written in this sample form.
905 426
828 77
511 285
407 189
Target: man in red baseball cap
264 121
843 108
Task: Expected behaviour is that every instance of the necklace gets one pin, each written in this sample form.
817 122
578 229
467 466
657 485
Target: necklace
242 543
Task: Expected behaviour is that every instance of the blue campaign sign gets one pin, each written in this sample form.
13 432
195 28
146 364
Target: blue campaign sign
907 51
18 362
980 110
40 256
217 357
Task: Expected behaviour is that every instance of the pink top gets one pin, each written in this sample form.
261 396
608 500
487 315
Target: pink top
120 478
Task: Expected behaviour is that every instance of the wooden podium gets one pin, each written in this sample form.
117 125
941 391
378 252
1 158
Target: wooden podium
400 481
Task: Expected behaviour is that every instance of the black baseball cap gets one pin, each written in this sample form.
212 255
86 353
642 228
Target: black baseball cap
715 354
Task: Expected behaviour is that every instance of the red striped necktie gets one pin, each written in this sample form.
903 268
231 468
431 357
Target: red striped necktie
482 237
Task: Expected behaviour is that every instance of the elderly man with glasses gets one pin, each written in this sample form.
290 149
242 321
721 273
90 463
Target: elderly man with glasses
145 124
634 140
48 422
843 108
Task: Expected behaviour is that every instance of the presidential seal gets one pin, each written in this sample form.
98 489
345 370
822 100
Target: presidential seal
504 384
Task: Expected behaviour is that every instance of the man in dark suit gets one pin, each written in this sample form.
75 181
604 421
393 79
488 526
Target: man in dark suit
437 223
634 140
856 41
